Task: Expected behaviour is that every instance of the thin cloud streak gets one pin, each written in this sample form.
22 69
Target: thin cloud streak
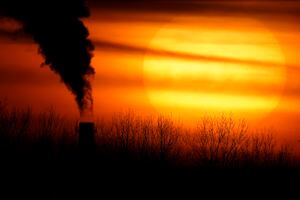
15 36
118 47
278 7
200 85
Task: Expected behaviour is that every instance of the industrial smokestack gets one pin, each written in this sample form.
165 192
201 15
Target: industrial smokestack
87 144
56 26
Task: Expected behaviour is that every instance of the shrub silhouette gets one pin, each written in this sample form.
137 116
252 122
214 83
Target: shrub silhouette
224 142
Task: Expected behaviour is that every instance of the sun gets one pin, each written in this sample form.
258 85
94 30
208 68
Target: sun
214 65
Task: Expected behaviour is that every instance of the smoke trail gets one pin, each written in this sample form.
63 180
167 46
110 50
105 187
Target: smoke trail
63 40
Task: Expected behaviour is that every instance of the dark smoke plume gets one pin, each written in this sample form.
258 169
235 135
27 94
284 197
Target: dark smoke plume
62 37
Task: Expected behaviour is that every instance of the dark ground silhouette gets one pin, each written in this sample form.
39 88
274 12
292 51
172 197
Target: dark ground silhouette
40 158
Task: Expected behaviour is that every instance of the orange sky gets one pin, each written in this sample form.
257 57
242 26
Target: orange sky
182 62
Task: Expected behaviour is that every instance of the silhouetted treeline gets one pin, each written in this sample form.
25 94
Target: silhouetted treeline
39 155
217 142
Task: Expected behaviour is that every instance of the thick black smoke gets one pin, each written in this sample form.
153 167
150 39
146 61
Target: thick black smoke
62 37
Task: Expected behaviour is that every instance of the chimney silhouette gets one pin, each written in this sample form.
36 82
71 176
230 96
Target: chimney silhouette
87 144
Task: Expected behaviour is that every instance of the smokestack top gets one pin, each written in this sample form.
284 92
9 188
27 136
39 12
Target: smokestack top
86 127
87 137
86 115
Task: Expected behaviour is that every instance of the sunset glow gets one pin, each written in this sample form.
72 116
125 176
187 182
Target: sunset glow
139 98
216 83
203 58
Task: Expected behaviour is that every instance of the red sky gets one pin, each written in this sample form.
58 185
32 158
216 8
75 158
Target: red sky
189 59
